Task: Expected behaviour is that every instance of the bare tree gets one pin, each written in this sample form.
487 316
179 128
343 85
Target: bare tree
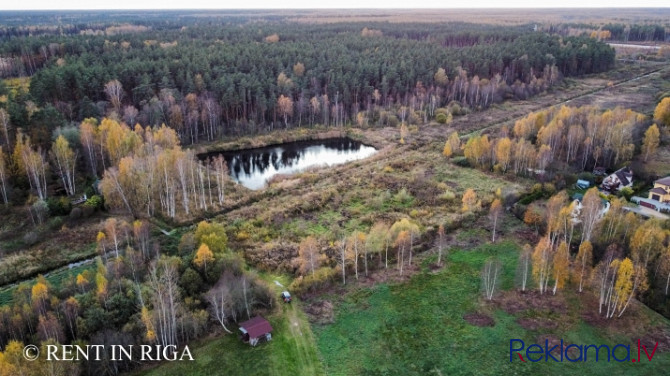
163 278
440 243
114 92
220 300
523 266
5 126
490 277
3 176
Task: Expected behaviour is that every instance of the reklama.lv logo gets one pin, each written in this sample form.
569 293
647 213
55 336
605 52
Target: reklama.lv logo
577 353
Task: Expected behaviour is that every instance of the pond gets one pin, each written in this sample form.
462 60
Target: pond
253 167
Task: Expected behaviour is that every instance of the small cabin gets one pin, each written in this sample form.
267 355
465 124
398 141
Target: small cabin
255 330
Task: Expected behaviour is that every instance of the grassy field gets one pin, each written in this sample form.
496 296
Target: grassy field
418 328
292 350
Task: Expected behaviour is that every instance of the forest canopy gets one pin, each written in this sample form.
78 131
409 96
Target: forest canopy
236 78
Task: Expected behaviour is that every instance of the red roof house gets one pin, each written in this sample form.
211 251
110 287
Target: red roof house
255 330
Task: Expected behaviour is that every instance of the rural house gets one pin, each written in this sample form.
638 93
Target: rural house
255 330
661 190
618 180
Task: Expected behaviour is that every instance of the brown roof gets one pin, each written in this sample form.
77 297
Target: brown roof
256 327
658 190
664 181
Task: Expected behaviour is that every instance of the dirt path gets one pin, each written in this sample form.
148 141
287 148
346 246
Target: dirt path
298 342
305 344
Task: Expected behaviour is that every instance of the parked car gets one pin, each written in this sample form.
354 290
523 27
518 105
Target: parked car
286 297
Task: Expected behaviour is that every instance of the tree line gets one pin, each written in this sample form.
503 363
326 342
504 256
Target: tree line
598 246
581 138
328 74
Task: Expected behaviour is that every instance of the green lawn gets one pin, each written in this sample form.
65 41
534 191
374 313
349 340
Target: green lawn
417 328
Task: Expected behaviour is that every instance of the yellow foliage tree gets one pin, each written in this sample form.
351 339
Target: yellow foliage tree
662 112
560 266
203 256
541 263
40 296
470 202
101 287
504 153
447 152
212 234
82 282
584 261
652 138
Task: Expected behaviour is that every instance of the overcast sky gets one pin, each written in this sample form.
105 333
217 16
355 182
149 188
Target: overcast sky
310 4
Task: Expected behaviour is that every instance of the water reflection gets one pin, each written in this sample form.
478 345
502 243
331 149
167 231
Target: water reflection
252 167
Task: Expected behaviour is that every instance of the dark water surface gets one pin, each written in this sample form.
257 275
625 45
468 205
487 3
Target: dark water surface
253 167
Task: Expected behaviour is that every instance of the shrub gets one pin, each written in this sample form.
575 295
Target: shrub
626 192
94 202
460 161
76 213
56 223
242 236
403 197
448 195
59 206
441 118
322 278
30 238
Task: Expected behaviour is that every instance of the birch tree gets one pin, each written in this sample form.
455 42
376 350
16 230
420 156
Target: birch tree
355 244
491 277
162 282
309 255
4 174
87 136
495 212
583 262
5 126
114 92
591 212
542 263
561 265
440 244
524 266
378 241
401 243
66 161
220 301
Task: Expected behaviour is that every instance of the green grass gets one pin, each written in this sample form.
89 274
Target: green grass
417 328
292 350
56 278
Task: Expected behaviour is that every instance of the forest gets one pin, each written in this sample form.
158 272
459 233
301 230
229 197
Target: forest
206 81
